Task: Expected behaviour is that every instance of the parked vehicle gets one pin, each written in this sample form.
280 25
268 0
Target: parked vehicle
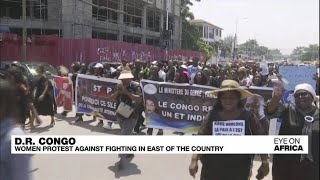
29 69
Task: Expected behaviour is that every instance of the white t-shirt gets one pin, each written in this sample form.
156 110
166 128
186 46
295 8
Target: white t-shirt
264 67
162 75
245 81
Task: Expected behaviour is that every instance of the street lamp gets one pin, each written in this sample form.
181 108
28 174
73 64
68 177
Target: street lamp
235 37
237 23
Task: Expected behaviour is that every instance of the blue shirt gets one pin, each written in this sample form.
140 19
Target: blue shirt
12 166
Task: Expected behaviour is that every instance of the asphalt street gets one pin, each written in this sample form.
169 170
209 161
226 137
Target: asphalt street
102 167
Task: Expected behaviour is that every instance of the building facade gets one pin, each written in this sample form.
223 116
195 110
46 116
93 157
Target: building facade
133 21
209 32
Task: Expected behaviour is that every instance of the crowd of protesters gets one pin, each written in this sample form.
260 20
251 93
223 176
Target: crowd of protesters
39 101
193 72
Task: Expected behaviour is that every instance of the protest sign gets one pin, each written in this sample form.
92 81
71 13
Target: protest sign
228 128
179 107
63 92
288 97
298 74
92 96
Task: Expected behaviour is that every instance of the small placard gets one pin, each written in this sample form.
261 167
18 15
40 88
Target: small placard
228 128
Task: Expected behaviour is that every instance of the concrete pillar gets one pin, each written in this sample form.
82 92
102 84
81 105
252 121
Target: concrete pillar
177 31
120 20
68 9
202 31
161 20
76 19
144 24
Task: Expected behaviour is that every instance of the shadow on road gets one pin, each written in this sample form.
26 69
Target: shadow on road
39 130
87 125
129 169
34 170
59 117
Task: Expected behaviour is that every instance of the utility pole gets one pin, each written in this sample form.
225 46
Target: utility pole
24 31
167 24
167 28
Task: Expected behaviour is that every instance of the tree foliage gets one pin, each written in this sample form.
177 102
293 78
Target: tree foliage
222 48
309 53
252 48
205 48
191 38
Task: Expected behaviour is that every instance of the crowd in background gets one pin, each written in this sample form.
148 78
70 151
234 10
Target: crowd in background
193 72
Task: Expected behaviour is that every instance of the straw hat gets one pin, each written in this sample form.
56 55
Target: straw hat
63 70
126 73
231 85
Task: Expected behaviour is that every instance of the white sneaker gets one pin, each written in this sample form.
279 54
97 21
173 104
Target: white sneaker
107 126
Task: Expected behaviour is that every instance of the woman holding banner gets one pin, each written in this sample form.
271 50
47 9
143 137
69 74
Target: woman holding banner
302 118
229 108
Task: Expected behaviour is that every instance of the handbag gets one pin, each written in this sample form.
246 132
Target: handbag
125 110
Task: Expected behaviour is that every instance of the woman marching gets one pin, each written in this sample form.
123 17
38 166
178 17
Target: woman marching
302 118
128 93
229 108
42 95
24 99
12 166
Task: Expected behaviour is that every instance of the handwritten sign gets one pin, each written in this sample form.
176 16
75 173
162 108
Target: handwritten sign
298 74
288 97
228 128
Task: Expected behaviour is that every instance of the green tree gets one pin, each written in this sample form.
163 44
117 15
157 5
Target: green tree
309 53
223 47
261 51
297 53
274 54
191 38
190 33
248 47
205 48
229 40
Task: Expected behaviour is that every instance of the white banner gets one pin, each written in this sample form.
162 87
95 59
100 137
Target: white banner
159 144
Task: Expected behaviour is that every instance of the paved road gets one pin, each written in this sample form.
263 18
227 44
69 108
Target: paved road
101 167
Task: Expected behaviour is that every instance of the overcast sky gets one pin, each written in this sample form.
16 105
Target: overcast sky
282 24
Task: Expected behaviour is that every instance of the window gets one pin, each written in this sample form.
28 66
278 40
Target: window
153 20
211 33
104 35
152 41
133 8
11 9
109 14
201 31
132 39
34 9
217 32
220 33
205 31
40 9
